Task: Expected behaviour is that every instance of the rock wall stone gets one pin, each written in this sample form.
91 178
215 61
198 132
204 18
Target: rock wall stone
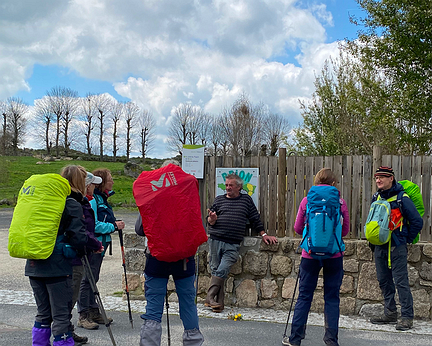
265 276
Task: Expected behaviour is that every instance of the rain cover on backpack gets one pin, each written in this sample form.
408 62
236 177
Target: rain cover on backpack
322 235
36 218
169 204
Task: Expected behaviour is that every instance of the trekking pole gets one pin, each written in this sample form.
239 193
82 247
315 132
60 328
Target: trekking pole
197 275
98 299
168 328
292 300
120 233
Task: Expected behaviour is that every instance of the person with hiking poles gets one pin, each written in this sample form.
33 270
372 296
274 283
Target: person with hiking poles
172 241
105 224
93 245
395 277
227 219
323 219
50 278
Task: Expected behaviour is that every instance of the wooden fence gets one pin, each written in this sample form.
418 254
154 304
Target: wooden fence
284 181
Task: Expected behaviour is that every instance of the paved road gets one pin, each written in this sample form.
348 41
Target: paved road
17 317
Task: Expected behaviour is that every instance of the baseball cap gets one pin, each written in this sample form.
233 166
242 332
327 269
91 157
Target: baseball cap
92 179
384 171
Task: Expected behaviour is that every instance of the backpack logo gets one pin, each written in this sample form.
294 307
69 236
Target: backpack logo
165 180
29 190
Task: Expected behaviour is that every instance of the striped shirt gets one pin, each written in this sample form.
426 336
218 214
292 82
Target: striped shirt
232 216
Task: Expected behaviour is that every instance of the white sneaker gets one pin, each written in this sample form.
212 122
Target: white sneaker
286 342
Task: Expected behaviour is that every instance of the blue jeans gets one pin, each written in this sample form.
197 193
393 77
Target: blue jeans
155 291
396 277
222 257
333 274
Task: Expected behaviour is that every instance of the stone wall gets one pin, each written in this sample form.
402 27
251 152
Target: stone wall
265 276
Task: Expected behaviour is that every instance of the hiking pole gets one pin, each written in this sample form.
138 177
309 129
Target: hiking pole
120 233
292 300
197 274
92 282
168 328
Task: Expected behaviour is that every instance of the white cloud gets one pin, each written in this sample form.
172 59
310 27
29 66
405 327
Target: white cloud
203 52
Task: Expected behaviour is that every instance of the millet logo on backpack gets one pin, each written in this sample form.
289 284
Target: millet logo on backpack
29 190
164 181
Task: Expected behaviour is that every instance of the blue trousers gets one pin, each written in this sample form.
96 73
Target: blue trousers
222 257
155 292
333 274
396 277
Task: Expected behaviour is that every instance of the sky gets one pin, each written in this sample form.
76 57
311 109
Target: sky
161 53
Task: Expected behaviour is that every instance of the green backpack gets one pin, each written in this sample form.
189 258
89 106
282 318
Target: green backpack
413 192
36 218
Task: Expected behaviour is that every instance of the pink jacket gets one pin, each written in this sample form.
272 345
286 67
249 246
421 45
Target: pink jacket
301 218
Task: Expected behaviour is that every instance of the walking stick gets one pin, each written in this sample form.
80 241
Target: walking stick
120 233
292 300
98 299
168 328
197 274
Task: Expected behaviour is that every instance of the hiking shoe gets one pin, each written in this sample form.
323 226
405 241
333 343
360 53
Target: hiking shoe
404 324
384 319
286 342
85 322
97 317
79 339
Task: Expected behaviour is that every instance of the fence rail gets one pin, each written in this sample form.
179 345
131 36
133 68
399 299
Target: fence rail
284 181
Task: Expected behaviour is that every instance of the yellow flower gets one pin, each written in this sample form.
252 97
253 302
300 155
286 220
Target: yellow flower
236 316
239 315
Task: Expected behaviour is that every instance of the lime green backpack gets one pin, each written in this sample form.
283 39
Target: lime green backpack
36 218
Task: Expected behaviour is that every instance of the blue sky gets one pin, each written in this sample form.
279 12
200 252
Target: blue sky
162 53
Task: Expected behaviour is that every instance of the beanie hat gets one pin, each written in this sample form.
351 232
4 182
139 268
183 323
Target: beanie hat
384 171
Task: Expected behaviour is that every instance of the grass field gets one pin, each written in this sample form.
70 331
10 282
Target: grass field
14 170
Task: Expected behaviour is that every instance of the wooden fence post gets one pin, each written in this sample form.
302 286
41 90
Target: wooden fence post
281 193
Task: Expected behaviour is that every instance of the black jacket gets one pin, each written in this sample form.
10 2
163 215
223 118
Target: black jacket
412 223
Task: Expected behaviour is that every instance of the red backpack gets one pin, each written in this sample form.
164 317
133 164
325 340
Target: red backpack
169 204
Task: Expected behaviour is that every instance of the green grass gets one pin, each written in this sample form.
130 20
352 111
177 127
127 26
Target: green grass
14 170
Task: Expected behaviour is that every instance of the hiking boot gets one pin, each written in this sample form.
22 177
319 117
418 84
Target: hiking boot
97 317
286 342
85 322
404 324
79 339
384 319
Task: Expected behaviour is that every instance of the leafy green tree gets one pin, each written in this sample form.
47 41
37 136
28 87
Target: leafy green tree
396 40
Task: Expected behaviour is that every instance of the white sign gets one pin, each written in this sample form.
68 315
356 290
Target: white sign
250 178
193 160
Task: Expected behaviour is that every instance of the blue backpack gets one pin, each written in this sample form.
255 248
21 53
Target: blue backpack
322 234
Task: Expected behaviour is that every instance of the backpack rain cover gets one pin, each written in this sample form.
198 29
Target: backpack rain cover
169 204
36 218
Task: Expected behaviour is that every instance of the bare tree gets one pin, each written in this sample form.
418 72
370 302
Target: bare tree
62 102
89 119
275 127
131 111
116 115
16 111
242 125
102 104
44 119
188 125
215 135
147 124
5 134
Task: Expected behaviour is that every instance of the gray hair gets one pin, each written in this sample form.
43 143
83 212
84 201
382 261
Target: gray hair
235 177
167 162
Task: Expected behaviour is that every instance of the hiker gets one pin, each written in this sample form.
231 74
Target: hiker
93 245
50 278
156 275
396 277
227 220
310 267
106 223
